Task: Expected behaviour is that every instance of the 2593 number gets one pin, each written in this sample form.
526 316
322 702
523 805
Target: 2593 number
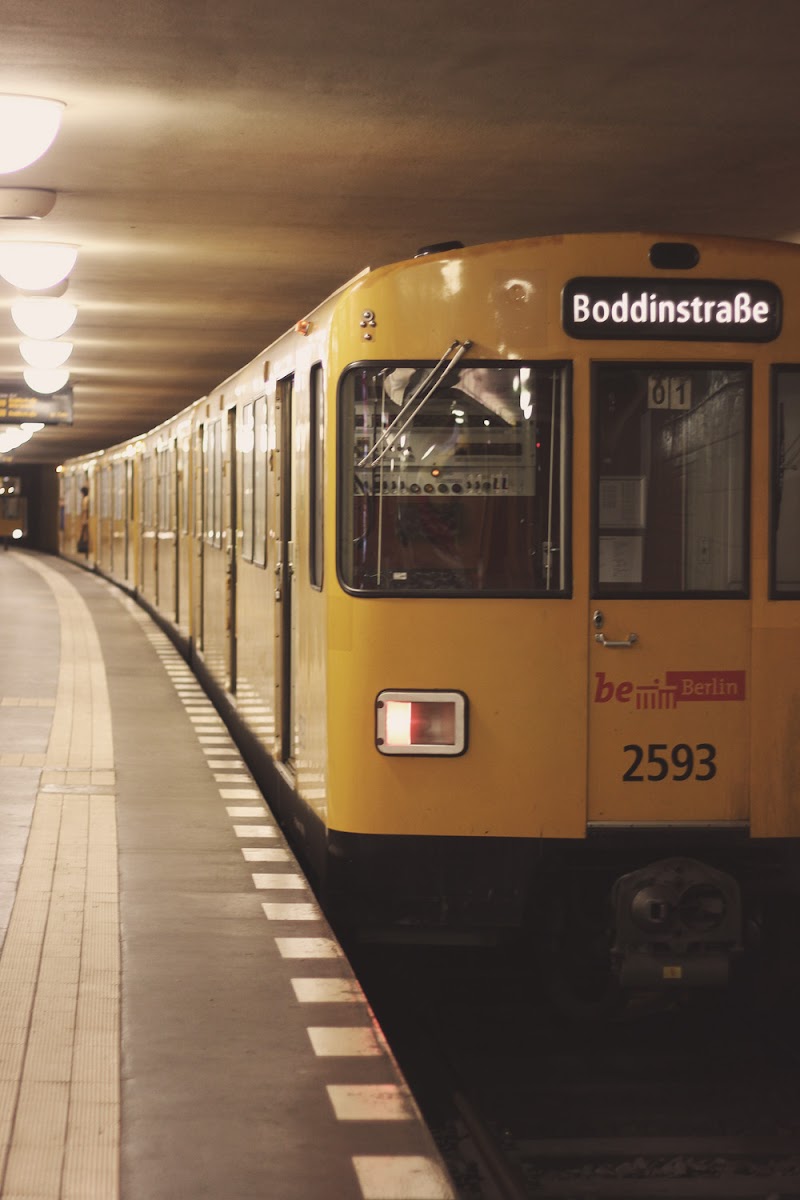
659 761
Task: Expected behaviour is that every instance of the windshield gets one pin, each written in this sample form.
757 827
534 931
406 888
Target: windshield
463 494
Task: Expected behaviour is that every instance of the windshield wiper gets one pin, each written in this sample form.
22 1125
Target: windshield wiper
434 379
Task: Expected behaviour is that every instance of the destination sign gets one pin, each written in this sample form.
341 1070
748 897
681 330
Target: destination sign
18 404
705 310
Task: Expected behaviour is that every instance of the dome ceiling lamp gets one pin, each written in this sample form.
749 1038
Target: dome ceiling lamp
43 317
28 127
36 266
24 204
46 380
44 354
13 436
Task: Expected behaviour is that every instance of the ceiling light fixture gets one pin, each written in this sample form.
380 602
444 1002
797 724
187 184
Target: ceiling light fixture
43 317
22 204
45 380
12 436
44 354
28 127
36 266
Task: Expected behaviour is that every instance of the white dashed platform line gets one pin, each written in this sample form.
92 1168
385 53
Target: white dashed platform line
285 881
412 1177
291 912
300 947
312 990
265 854
255 831
371 1102
357 1041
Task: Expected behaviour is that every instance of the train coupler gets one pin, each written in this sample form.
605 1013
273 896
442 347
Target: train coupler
677 922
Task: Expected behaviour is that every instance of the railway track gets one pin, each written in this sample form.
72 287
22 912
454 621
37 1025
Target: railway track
662 1101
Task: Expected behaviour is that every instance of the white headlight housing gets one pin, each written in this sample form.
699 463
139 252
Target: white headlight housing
421 723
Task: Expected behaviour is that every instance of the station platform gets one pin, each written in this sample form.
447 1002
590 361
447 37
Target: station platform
177 1021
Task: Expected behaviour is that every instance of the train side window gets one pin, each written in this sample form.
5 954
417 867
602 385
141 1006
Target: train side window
148 489
670 486
260 483
161 488
212 448
454 483
247 448
166 488
118 489
317 477
209 437
105 492
785 489
216 467
184 483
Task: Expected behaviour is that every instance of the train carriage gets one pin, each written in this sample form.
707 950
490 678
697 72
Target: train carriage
13 510
73 477
494 561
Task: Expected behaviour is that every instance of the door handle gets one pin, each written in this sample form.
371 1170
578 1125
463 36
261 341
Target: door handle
631 640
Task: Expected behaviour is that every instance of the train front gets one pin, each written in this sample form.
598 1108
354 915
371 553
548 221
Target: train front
567 600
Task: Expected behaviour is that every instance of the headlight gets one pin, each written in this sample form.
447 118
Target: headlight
424 722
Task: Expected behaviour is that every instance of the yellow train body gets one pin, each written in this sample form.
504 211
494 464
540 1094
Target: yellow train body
609 579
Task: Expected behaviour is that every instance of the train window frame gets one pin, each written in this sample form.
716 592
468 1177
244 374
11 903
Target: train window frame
165 489
219 477
212 492
562 463
777 469
184 484
260 481
148 491
105 492
316 476
209 436
118 489
247 459
630 591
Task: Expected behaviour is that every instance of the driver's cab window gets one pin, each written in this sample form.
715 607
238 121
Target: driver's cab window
454 482
786 483
670 479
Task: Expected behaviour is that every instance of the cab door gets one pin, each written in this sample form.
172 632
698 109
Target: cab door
669 622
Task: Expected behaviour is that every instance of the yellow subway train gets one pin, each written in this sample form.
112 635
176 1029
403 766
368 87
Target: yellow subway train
493 562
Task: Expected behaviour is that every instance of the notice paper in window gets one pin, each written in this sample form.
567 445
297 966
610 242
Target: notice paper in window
620 559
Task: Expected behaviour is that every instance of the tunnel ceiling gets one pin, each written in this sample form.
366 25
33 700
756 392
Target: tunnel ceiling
223 168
